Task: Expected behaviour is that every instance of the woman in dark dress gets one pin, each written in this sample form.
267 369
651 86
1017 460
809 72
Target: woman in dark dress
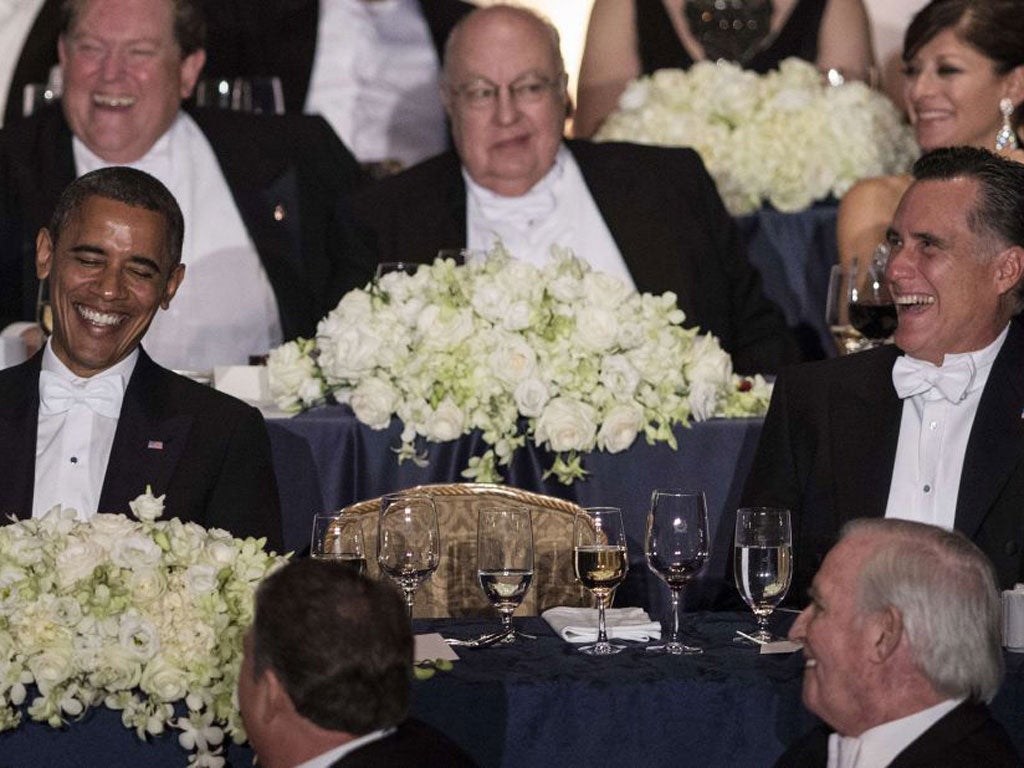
628 38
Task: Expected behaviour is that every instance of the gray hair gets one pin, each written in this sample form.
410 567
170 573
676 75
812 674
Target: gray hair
523 12
946 591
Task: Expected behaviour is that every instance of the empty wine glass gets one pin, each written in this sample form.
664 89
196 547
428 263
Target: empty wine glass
763 562
837 312
600 562
505 560
338 538
408 542
677 548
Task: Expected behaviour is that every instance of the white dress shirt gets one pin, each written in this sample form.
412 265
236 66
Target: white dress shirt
16 20
329 758
932 444
879 746
73 447
225 309
557 210
375 80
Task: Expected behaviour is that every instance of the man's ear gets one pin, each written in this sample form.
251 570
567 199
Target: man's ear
1009 268
887 632
173 282
44 254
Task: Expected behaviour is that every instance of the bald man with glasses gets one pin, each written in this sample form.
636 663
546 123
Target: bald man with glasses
648 215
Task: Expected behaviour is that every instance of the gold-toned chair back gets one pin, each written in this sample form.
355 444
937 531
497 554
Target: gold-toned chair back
454 590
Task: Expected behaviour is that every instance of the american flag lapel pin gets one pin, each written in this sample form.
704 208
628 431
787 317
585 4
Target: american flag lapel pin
158 445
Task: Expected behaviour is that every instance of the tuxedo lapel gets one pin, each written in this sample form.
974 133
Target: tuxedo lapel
865 414
650 249
996 444
149 440
19 422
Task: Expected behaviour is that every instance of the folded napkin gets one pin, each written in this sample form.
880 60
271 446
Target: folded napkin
579 625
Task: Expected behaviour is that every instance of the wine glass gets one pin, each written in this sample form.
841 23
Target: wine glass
336 537
677 548
504 555
763 562
837 314
871 308
599 559
408 542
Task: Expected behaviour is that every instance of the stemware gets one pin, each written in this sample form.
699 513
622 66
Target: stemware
763 562
872 310
677 548
340 539
408 542
505 560
600 561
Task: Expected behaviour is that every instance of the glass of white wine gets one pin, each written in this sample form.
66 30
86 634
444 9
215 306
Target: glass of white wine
408 542
677 548
763 562
337 538
600 561
504 554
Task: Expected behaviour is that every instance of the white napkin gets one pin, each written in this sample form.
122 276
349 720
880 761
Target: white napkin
579 625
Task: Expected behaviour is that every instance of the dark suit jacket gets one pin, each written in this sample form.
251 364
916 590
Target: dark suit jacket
214 462
663 211
246 38
964 738
38 57
288 176
829 445
414 745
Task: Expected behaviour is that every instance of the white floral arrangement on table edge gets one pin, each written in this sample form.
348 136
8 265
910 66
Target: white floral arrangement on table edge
135 615
785 137
567 357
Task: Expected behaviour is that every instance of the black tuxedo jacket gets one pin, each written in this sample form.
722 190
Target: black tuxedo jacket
413 745
967 736
288 176
663 212
246 38
209 452
829 445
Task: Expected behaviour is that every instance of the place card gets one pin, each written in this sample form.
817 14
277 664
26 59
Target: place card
246 382
781 646
432 646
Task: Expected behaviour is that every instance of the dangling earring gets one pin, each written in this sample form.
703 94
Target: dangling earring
1006 138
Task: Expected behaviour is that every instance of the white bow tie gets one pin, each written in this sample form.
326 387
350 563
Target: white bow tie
103 394
915 377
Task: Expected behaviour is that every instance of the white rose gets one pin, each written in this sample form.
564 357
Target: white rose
604 290
349 352
490 299
107 529
566 424
708 362
78 560
137 636
373 401
596 328
147 507
703 400
518 316
163 681
444 328
531 395
147 585
114 669
512 360
135 551
201 579
620 427
220 549
50 668
619 376
288 370
446 422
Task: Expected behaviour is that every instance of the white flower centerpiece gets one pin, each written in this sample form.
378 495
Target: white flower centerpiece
569 358
785 137
136 615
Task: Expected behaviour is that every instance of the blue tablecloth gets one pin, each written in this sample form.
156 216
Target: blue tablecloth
329 451
794 253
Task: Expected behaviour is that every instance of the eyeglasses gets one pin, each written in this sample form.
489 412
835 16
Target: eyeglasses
483 94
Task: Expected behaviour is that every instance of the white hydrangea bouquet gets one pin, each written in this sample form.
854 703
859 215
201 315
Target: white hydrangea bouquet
567 357
135 615
785 137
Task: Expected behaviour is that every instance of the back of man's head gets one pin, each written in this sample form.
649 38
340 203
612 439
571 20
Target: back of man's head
125 185
340 644
945 590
